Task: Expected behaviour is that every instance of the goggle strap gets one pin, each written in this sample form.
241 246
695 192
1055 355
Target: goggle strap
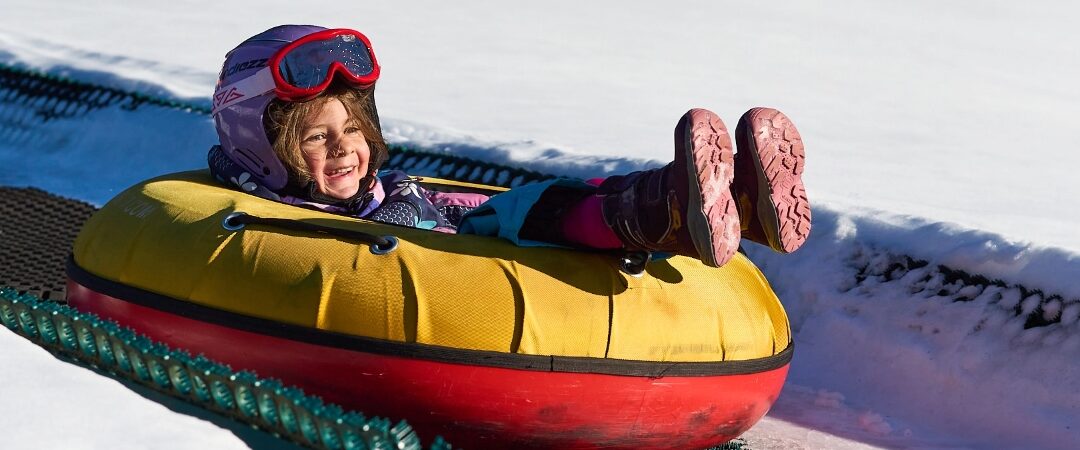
253 86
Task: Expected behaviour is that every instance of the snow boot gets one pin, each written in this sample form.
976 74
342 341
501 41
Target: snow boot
768 185
685 207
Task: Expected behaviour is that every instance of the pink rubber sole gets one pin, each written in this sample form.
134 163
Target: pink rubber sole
712 216
776 149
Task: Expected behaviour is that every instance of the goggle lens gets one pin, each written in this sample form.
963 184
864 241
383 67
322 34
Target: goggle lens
309 64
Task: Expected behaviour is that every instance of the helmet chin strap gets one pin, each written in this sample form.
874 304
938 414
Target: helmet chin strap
368 182
354 204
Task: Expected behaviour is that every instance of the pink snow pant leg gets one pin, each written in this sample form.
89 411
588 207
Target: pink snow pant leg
584 223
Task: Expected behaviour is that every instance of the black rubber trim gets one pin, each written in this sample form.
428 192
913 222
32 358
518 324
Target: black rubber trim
422 351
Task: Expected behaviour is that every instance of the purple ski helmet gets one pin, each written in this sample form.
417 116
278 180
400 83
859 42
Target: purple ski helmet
240 123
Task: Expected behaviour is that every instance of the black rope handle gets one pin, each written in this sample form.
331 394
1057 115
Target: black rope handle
380 245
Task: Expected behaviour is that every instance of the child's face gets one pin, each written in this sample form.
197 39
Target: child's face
335 150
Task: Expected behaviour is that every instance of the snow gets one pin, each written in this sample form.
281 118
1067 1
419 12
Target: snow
48 403
935 129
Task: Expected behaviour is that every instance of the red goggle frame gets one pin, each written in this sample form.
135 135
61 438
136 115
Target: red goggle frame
304 68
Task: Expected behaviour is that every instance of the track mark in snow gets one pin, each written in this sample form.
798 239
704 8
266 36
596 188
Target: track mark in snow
1014 306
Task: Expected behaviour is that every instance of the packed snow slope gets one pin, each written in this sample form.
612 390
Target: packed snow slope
935 304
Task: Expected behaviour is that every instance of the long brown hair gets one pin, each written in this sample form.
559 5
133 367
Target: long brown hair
284 124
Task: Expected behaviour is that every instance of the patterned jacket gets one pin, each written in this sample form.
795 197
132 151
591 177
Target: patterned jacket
406 203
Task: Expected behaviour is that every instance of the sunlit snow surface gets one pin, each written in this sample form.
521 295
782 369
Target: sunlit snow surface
944 131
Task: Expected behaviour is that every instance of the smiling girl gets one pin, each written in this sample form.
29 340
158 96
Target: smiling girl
295 112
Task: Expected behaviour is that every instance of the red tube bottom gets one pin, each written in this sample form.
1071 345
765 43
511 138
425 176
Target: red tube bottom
476 406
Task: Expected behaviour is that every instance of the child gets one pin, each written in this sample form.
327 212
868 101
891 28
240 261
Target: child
295 112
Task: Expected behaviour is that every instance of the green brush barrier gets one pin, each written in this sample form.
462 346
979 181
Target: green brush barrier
266 404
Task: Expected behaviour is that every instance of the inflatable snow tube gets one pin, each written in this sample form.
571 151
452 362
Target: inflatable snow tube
487 344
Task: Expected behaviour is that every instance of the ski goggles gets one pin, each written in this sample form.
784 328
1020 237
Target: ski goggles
305 68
